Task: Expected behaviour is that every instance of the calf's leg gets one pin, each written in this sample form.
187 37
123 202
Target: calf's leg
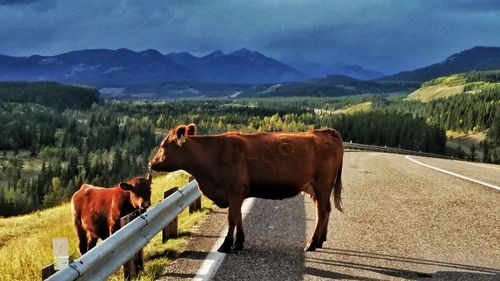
92 241
82 241
82 236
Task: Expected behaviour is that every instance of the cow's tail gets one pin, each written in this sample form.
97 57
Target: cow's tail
337 189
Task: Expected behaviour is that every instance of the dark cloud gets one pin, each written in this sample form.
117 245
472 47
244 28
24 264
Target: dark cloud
17 2
388 35
471 5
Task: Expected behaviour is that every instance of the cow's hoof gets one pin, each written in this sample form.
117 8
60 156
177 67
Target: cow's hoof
224 249
311 247
320 244
237 247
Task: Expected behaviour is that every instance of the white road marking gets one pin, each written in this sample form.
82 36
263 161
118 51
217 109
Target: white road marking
490 166
453 174
214 259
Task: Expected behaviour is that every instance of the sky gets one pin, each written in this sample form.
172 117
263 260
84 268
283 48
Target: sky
384 35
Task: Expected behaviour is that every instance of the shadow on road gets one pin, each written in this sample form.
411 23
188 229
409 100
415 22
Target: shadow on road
391 267
275 238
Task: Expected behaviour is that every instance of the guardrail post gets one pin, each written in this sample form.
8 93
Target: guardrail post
135 265
171 230
48 271
196 206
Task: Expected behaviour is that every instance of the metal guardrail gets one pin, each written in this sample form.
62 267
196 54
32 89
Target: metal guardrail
104 259
375 148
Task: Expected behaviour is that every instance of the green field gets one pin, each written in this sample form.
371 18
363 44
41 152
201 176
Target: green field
26 241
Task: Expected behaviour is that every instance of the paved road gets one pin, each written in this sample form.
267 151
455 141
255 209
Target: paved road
402 221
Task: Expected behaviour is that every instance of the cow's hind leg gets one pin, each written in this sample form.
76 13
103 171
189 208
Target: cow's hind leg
323 208
240 235
234 218
322 238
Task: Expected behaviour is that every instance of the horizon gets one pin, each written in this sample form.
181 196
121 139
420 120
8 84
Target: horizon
200 55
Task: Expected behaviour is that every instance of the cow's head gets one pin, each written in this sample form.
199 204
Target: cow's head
140 191
169 155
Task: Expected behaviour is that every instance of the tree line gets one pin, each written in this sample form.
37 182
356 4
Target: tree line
110 141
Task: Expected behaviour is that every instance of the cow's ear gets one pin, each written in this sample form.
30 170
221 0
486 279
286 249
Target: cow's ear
126 186
191 129
180 134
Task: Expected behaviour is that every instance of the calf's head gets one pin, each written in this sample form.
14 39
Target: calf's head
140 191
169 155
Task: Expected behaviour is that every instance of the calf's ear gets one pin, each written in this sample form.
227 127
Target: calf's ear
191 129
126 186
180 134
149 177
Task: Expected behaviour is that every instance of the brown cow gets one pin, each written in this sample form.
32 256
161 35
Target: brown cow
97 211
233 166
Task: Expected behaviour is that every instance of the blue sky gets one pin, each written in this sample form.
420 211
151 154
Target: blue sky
385 35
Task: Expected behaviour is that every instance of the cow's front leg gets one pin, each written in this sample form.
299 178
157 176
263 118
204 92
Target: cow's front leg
233 217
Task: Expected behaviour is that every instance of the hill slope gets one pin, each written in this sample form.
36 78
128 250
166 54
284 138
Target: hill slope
470 83
477 58
334 86
50 94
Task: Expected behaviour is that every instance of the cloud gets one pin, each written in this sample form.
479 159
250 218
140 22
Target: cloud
388 35
17 2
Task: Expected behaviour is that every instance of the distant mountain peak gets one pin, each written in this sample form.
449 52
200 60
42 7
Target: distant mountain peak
478 58
244 52
213 55
124 50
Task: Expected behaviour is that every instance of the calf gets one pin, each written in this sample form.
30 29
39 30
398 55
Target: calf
97 211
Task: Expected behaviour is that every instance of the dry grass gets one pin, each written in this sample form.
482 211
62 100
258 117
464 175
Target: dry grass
426 94
26 241
360 107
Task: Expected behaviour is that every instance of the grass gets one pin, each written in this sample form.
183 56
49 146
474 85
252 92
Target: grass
352 109
426 94
26 241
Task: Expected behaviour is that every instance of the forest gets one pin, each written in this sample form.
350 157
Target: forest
47 152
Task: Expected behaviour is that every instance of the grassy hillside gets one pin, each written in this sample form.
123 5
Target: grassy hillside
433 92
352 109
334 86
26 241
469 83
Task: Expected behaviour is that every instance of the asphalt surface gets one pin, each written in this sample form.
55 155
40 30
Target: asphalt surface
402 221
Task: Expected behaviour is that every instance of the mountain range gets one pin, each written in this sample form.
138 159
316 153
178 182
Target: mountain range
477 58
241 66
102 67
151 72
